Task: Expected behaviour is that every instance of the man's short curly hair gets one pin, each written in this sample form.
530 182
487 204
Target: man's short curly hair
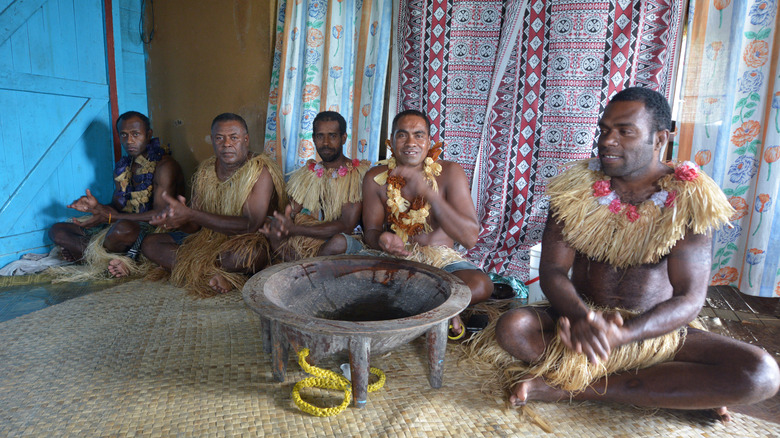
655 103
411 112
130 115
230 117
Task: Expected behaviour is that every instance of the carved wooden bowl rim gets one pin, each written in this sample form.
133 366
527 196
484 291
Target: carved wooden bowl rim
255 297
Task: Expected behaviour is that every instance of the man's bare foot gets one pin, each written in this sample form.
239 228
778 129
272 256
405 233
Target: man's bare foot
456 329
534 389
723 414
117 268
220 284
66 255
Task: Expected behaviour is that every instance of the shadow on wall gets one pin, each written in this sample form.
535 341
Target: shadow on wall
88 165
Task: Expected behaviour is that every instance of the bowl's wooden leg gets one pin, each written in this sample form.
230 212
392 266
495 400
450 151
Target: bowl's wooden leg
359 356
279 351
265 326
437 345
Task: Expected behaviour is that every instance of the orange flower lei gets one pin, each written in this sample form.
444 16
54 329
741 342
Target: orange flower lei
409 218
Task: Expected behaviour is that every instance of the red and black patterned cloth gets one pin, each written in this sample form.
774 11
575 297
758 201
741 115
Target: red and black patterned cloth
550 67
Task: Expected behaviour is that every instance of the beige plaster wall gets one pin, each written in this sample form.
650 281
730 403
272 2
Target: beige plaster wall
208 57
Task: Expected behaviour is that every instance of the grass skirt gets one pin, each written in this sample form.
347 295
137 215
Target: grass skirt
197 260
95 265
563 368
303 247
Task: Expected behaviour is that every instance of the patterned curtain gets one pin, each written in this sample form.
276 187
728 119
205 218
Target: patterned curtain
515 89
330 55
446 51
731 128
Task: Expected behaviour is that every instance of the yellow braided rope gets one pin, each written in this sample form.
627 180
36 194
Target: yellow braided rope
327 379
459 335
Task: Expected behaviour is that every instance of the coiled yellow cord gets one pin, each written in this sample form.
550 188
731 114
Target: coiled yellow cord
459 335
327 379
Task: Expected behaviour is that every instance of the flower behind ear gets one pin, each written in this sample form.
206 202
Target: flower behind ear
436 150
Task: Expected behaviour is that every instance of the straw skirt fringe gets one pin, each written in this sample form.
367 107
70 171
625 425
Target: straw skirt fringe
95 265
566 369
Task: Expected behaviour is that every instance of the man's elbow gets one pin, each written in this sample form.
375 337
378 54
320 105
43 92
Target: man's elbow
691 307
469 242
694 311
472 236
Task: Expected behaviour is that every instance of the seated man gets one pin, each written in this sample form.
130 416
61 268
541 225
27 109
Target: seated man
326 198
416 207
141 177
635 232
232 193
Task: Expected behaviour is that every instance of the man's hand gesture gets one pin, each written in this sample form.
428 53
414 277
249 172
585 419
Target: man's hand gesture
87 221
594 335
279 225
89 204
392 244
174 215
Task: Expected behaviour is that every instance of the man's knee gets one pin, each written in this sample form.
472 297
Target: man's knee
121 236
335 245
480 284
760 377
229 262
160 248
516 322
749 374
483 286
153 244
249 264
517 331
59 232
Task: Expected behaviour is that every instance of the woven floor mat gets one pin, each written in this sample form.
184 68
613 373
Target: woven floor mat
16 280
144 359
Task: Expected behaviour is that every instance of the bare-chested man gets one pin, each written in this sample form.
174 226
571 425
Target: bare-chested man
635 232
232 194
326 198
429 207
141 177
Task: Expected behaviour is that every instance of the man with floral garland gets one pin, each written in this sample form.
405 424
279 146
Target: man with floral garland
416 207
325 198
116 230
636 234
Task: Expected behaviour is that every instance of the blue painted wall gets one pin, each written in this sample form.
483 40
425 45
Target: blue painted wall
130 56
55 121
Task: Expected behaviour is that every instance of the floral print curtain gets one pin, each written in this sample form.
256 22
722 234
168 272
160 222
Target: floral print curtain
330 55
731 128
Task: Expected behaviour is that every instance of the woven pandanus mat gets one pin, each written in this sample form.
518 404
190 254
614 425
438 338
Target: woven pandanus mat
17 280
144 359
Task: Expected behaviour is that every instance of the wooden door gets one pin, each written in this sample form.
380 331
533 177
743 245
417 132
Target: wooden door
55 133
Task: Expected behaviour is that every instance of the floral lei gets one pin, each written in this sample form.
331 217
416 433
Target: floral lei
135 190
409 218
319 169
602 191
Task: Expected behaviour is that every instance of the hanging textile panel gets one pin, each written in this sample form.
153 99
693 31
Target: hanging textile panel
446 55
731 128
329 55
558 64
